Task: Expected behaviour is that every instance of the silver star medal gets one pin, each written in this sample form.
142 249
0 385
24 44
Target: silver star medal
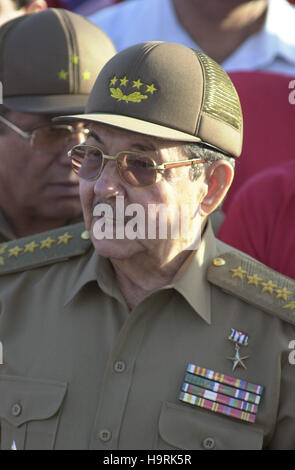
239 338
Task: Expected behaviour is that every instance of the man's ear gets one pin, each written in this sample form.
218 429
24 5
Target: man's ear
35 6
219 177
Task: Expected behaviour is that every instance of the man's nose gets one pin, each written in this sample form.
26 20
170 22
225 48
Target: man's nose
109 183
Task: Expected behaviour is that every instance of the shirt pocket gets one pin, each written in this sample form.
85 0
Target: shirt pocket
190 428
29 412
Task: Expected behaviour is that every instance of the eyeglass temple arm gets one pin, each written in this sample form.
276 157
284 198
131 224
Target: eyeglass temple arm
166 166
9 124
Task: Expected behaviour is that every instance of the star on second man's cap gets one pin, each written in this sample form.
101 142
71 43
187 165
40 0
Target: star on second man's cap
50 61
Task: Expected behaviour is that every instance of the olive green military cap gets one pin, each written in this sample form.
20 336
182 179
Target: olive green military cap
169 91
49 61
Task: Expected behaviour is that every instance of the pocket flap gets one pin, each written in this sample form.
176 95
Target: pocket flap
23 399
190 428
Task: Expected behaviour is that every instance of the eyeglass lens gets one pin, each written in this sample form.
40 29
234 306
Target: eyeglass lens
136 170
53 136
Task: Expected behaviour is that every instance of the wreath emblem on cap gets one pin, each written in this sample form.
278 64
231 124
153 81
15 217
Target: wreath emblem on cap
135 96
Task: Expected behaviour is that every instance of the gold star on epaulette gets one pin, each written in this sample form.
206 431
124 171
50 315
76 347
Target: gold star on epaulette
268 287
150 89
114 80
290 305
75 59
254 280
86 75
64 238
15 251
3 249
124 80
238 272
137 84
30 247
62 75
283 293
46 243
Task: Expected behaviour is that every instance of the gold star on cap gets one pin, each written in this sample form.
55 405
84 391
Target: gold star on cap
15 251
124 80
283 293
30 247
64 238
254 280
46 243
137 84
268 287
62 75
238 272
75 59
114 80
86 75
150 89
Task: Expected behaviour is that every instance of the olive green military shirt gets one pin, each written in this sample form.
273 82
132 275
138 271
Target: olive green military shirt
80 371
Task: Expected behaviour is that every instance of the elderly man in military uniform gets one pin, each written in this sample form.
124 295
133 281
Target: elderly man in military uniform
148 341
49 62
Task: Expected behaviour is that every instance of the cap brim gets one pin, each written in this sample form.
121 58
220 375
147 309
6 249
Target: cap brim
133 125
50 104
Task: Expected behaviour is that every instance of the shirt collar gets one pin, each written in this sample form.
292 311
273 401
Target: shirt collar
191 281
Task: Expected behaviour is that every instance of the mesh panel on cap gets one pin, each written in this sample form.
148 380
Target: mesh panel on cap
221 99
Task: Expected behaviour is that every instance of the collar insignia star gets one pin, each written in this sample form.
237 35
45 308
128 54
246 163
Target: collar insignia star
268 287
75 59
3 249
30 247
238 272
46 243
64 238
15 251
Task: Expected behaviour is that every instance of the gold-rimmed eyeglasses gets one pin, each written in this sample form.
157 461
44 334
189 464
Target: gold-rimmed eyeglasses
135 169
47 137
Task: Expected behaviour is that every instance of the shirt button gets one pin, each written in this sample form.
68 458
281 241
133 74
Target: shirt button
208 443
105 435
119 366
16 409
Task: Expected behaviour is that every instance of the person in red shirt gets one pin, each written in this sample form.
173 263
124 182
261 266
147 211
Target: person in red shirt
259 219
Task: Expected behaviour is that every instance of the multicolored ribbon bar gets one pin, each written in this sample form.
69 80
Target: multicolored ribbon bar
225 379
218 397
239 337
217 407
221 388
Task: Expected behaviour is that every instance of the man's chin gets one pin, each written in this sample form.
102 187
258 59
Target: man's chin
114 248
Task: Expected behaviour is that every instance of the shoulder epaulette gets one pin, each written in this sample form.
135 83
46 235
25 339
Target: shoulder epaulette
43 248
255 283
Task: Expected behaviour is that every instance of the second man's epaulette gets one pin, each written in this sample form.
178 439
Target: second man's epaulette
43 248
255 283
